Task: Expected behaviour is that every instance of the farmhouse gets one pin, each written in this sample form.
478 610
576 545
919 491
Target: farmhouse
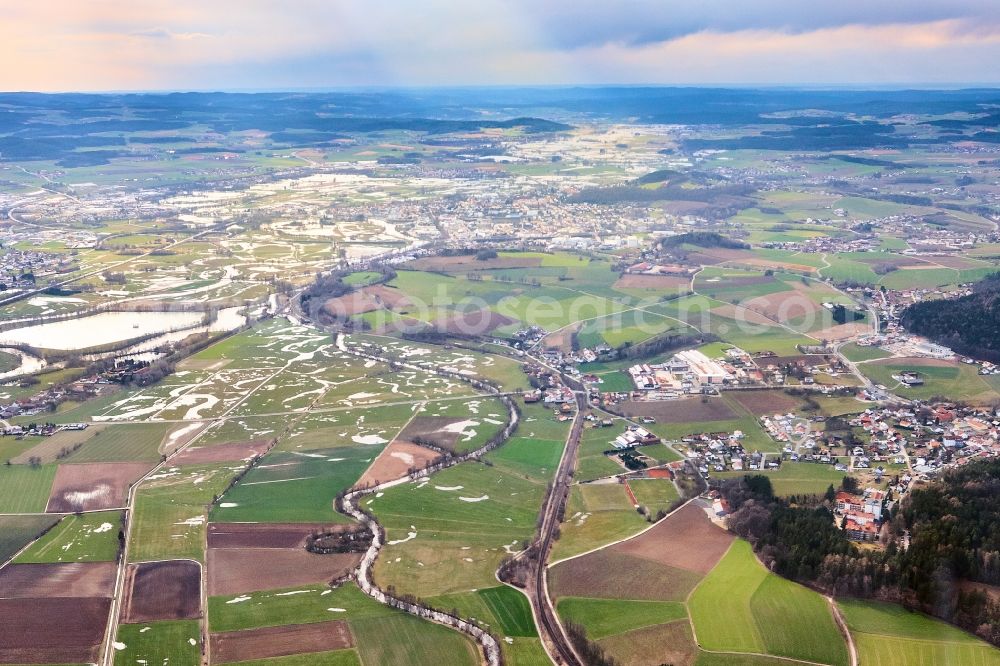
634 436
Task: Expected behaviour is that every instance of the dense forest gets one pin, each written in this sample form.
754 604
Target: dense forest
970 324
702 239
940 542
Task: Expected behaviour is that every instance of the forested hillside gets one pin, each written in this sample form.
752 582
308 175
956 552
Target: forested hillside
970 324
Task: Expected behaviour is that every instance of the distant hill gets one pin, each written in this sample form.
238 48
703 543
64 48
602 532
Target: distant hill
970 325
661 176
85 129
702 239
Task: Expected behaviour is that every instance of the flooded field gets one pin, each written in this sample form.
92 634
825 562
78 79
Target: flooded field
100 329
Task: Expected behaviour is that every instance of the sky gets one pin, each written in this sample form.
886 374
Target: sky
101 45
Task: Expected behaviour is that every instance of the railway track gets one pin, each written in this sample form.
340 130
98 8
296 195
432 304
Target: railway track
551 630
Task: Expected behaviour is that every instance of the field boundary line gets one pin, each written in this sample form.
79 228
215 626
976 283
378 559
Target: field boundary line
628 538
534 617
838 617
418 407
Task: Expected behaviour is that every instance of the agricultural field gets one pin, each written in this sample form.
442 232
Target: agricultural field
704 589
890 635
175 642
448 532
797 478
503 372
596 514
292 486
608 617
16 532
377 629
91 537
25 489
959 381
740 607
171 509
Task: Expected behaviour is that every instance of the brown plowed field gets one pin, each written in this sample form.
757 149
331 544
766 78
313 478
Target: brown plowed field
608 574
761 403
91 486
685 540
954 261
168 590
73 579
742 315
263 535
785 306
686 410
280 641
230 451
561 339
431 428
670 282
671 643
62 631
478 322
395 462
239 570
842 331
366 299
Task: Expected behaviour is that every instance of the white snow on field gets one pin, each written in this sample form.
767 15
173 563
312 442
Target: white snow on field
198 403
446 488
337 610
462 428
402 455
494 421
361 396
133 414
368 439
409 537
119 646
240 599
474 499
228 505
197 520
180 432
103 527
83 496
293 592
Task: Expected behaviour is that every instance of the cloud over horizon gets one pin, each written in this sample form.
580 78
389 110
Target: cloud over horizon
258 44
